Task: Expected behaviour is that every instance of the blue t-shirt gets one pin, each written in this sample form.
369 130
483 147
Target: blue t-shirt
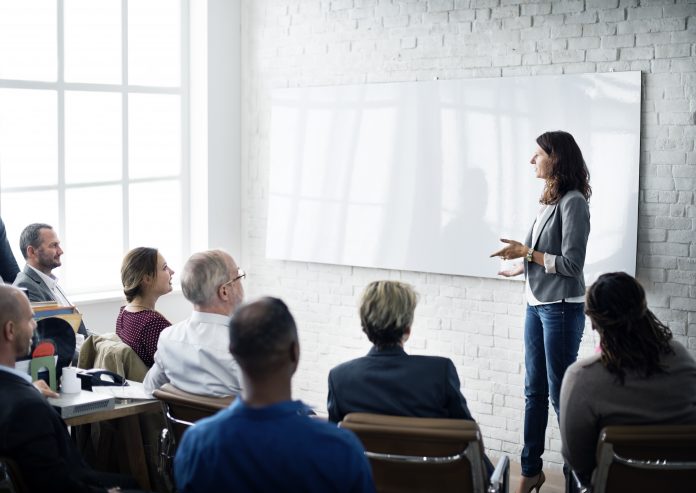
271 449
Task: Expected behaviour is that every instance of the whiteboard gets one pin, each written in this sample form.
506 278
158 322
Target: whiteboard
426 176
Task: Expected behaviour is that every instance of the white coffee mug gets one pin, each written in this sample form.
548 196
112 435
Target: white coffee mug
70 382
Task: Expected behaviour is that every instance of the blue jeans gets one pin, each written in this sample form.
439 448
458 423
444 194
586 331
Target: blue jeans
552 335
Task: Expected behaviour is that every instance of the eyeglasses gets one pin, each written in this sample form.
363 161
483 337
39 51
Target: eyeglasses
240 274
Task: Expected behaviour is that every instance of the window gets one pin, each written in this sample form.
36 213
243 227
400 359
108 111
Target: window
94 130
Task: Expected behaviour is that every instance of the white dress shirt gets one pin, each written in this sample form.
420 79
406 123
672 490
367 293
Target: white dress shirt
15 371
52 283
193 356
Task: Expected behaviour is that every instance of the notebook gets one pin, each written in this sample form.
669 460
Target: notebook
84 402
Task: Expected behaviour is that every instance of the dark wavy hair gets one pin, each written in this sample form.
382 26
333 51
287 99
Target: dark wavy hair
632 338
568 169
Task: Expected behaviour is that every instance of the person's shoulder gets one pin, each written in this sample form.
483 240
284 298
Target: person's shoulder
679 348
680 353
174 330
23 399
348 366
158 317
209 427
331 432
589 364
573 195
152 318
573 198
23 280
15 385
21 277
434 361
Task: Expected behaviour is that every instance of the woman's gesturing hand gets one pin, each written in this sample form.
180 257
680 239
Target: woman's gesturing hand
513 250
514 271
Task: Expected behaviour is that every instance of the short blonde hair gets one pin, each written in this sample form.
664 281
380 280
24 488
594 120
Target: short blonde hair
386 311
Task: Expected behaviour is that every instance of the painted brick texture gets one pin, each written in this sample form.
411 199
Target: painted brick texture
476 322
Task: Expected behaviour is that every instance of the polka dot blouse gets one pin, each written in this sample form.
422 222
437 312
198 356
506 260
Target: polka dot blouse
141 330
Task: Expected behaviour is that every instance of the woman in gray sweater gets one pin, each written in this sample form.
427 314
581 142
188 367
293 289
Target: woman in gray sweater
641 376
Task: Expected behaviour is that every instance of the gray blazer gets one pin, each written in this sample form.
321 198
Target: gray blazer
37 290
563 231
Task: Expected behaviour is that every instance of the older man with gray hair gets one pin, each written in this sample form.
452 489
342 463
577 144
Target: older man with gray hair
192 355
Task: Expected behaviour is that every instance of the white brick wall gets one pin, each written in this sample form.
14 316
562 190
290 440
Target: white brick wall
476 322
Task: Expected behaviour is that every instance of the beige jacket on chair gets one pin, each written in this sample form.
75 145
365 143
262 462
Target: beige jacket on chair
109 352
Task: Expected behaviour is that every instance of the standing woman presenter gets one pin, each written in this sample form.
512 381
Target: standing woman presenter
554 256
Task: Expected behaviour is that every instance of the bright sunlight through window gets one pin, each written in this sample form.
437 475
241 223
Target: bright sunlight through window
93 125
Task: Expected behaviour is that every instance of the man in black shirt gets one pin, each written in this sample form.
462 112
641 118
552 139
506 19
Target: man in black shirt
31 431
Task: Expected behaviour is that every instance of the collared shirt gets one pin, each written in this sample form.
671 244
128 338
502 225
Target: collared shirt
193 356
15 371
52 283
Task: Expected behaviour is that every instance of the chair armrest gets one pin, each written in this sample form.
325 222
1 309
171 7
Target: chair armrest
576 485
500 477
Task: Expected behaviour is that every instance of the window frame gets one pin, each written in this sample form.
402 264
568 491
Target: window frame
60 87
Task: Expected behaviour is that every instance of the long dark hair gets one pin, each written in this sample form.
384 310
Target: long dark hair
632 338
568 171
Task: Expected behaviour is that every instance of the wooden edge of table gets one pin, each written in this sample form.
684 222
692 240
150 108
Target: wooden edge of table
120 411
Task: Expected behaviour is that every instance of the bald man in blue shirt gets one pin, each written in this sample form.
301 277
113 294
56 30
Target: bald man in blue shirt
265 441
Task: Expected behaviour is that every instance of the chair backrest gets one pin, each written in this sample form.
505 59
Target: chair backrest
11 480
182 409
421 454
646 458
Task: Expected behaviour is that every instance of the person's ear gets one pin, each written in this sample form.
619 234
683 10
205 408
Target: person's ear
148 279
222 292
406 335
31 251
294 356
295 352
8 331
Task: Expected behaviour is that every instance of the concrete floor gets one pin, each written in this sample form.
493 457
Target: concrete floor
555 482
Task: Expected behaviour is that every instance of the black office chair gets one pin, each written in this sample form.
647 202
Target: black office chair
644 459
181 409
11 480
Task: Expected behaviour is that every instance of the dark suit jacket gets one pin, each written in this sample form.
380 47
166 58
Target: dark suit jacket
389 381
8 264
37 290
392 382
34 435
